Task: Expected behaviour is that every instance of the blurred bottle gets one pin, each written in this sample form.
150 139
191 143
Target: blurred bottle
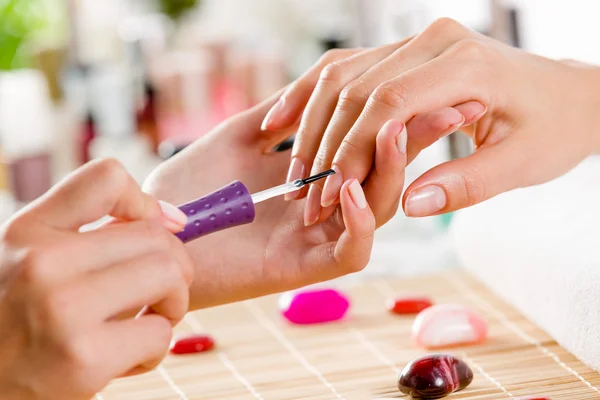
77 92
85 138
52 61
184 97
145 38
26 128
113 111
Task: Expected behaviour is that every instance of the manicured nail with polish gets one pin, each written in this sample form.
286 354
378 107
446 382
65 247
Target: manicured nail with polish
402 139
296 172
453 128
175 219
274 116
357 195
425 201
312 209
331 189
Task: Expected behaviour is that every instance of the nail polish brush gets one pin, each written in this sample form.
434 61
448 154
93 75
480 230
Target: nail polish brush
232 205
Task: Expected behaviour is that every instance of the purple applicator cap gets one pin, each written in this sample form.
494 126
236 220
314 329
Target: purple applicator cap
232 205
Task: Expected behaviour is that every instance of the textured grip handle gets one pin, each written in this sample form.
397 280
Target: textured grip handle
227 207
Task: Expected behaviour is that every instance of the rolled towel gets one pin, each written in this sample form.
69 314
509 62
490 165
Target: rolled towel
539 249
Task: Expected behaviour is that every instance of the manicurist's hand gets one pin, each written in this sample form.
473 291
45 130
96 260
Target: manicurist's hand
277 251
537 118
65 296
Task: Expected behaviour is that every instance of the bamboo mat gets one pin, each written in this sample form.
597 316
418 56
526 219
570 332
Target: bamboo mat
260 356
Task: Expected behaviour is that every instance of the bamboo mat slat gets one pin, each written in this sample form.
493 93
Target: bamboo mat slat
259 356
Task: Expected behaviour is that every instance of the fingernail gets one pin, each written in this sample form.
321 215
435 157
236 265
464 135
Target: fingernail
357 195
312 210
481 114
453 128
425 201
296 171
401 140
331 189
173 214
274 115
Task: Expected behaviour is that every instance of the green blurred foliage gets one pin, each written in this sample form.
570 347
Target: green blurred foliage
177 8
25 21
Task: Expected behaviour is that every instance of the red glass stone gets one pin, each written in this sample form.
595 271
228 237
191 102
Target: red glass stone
434 376
409 304
192 344
533 398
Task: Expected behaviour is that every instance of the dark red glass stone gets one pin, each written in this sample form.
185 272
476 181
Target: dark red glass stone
434 376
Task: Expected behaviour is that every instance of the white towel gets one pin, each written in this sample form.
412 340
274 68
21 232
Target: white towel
539 248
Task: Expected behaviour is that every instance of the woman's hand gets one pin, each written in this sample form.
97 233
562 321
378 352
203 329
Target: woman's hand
277 251
63 294
539 120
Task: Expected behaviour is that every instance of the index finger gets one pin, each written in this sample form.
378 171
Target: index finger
101 188
445 81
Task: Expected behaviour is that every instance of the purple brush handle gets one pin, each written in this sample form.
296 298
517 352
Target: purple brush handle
229 206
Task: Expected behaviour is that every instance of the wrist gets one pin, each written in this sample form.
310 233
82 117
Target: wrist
588 84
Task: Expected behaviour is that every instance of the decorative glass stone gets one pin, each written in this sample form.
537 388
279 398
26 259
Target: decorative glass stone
313 306
193 344
434 376
410 304
446 325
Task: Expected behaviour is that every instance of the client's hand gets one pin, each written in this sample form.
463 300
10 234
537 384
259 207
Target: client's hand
278 252
541 117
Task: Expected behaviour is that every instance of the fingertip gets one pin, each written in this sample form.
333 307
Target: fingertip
357 214
281 116
357 195
472 111
391 141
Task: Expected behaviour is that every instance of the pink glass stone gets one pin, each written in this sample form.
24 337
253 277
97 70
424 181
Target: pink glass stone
532 398
446 325
409 304
434 376
313 306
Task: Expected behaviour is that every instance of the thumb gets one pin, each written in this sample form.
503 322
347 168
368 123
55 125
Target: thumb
100 188
468 181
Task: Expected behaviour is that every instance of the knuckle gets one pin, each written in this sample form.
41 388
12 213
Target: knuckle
394 95
156 233
357 264
473 183
54 304
15 230
444 25
171 268
110 168
79 355
472 49
321 160
348 147
35 266
354 93
331 55
333 72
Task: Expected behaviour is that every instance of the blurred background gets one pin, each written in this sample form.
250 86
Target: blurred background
141 79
